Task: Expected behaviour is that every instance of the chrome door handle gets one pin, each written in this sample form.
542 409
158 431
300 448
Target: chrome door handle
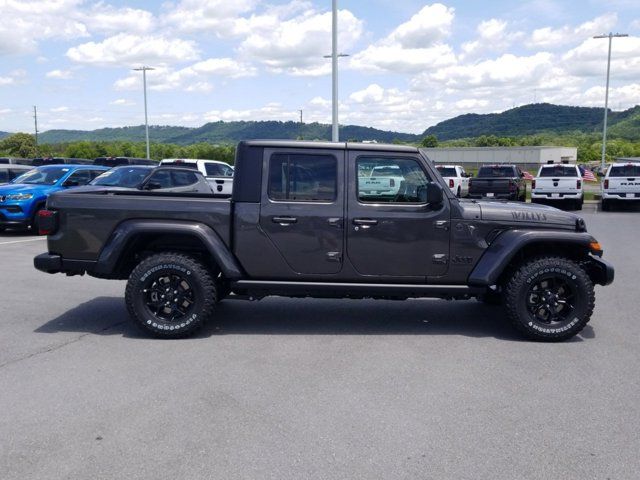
369 222
284 220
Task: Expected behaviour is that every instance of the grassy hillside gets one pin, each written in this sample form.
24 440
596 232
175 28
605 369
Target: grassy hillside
225 132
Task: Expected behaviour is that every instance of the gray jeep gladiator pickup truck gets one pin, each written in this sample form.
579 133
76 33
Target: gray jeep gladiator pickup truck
305 220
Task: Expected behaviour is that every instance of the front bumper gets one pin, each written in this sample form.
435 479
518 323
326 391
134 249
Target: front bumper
600 271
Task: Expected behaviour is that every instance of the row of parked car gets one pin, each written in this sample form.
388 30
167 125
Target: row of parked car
555 184
26 187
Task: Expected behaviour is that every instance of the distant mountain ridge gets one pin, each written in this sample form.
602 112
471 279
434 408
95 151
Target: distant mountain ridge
525 120
227 132
538 118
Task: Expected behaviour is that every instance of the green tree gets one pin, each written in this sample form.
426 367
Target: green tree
20 145
430 141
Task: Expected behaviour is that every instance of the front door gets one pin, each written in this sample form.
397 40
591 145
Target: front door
302 208
391 230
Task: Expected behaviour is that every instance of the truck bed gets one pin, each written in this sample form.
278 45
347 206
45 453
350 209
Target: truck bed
89 218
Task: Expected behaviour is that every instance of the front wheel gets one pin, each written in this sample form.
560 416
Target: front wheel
170 295
549 299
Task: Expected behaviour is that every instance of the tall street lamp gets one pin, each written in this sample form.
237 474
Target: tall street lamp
334 71
144 69
610 36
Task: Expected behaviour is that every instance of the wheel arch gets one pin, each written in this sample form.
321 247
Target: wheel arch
132 238
513 247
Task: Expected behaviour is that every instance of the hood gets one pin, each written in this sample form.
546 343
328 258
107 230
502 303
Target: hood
526 213
25 188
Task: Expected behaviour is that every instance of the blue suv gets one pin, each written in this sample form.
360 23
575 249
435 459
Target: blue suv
21 200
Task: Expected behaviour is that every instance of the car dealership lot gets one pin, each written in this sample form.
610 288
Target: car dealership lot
295 389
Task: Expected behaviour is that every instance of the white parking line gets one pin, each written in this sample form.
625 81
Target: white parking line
23 241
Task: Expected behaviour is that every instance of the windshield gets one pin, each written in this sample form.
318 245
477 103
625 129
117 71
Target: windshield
447 171
43 176
496 172
631 170
558 171
129 177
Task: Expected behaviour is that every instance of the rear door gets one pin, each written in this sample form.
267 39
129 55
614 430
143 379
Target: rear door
395 234
302 209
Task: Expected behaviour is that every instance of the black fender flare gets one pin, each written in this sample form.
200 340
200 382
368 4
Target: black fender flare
125 231
502 250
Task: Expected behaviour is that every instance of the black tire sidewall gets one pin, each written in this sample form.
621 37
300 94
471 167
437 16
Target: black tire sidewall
575 278
154 267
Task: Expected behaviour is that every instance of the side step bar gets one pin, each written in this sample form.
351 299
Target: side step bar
330 289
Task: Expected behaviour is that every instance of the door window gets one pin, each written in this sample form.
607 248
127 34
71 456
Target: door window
302 177
183 179
81 177
161 179
390 180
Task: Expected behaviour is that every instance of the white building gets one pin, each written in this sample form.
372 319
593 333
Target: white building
525 157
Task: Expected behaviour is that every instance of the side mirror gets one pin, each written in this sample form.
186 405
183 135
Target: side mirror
71 183
430 193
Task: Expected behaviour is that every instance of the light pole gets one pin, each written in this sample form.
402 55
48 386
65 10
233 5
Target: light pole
144 69
334 71
606 94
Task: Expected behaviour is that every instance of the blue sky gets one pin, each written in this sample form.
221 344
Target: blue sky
411 64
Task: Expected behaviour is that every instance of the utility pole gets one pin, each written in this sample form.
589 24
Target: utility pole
334 71
144 69
610 36
300 116
35 119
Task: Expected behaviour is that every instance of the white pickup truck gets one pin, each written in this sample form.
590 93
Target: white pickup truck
219 174
456 178
621 184
382 181
558 183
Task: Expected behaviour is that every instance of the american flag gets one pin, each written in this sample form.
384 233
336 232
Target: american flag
588 176
527 175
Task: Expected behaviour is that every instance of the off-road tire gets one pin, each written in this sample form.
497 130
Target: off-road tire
147 279
517 294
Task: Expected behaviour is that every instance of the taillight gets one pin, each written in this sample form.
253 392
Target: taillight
606 183
533 183
392 183
579 184
451 183
47 222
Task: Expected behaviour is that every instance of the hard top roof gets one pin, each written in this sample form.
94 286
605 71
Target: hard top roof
374 147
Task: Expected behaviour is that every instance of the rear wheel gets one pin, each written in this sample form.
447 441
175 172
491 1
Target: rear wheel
579 204
549 299
606 205
170 295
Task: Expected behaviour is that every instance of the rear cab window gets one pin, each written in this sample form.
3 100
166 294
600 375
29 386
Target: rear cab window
299 177
559 171
631 170
447 171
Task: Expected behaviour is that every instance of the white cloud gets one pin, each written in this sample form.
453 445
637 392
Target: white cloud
412 46
430 25
13 78
271 111
122 102
547 37
590 58
297 45
194 78
60 74
219 17
108 19
59 109
126 50
492 36
26 23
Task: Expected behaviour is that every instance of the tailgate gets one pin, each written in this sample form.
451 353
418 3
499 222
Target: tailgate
550 184
490 185
624 184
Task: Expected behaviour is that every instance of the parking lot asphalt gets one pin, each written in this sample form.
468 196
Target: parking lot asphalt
315 389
